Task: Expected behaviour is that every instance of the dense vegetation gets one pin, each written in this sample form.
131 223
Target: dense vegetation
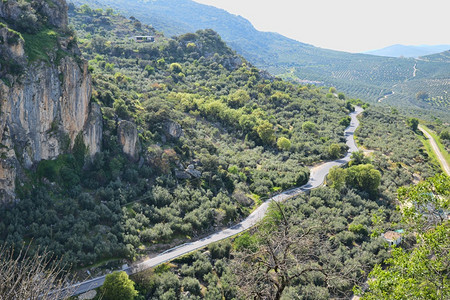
358 75
419 272
216 136
331 236
327 250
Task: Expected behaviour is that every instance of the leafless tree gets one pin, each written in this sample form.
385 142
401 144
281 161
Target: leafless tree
287 251
32 276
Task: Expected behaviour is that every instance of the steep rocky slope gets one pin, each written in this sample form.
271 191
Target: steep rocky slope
45 89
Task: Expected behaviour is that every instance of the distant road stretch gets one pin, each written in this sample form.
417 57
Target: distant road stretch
317 178
436 150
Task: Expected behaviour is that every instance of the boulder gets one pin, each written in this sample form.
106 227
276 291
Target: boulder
193 172
173 129
182 174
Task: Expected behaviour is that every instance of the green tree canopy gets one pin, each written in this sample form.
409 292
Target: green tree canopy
345 121
336 178
238 98
358 158
445 135
118 286
175 68
334 150
85 9
284 143
424 204
265 132
363 177
413 123
422 272
308 126
149 69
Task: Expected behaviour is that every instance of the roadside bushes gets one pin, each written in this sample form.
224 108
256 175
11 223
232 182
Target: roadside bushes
364 178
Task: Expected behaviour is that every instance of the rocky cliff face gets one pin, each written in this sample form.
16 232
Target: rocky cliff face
36 12
128 138
45 105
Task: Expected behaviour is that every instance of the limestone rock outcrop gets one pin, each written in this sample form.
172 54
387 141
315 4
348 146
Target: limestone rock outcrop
54 11
93 130
193 172
44 105
129 139
173 129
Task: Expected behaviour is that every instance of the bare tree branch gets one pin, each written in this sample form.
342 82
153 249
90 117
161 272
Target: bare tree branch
287 251
31 276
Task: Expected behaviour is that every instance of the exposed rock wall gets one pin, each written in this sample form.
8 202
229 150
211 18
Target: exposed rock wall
93 130
42 109
128 139
44 105
173 129
53 11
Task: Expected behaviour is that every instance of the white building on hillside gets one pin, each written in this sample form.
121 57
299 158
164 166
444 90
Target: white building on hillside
143 38
393 238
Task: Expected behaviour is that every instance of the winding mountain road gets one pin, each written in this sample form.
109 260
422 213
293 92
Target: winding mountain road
317 178
436 150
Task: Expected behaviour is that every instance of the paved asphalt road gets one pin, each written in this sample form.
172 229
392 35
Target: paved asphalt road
317 178
436 150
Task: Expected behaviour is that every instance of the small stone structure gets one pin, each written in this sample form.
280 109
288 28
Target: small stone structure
393 238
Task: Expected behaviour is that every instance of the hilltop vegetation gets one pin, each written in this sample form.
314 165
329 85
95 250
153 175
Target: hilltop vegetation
358 75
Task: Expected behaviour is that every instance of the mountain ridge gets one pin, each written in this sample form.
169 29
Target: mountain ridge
358 75
412 51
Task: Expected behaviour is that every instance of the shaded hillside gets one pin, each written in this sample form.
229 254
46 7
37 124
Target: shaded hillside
359 75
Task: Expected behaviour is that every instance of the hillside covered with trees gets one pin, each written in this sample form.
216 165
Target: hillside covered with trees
320 245
194 137
362 76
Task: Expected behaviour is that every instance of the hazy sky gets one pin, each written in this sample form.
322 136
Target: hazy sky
348 25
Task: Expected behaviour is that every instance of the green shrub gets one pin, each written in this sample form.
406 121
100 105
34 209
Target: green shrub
220 249
118 286
284 143
192 285
38 46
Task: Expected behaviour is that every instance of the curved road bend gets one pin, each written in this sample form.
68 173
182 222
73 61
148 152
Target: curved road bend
436 150
317 178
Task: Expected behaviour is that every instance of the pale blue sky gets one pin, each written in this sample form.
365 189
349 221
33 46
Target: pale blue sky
348 25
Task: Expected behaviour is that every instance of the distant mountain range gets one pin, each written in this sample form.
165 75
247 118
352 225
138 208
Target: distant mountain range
409 51
369 77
